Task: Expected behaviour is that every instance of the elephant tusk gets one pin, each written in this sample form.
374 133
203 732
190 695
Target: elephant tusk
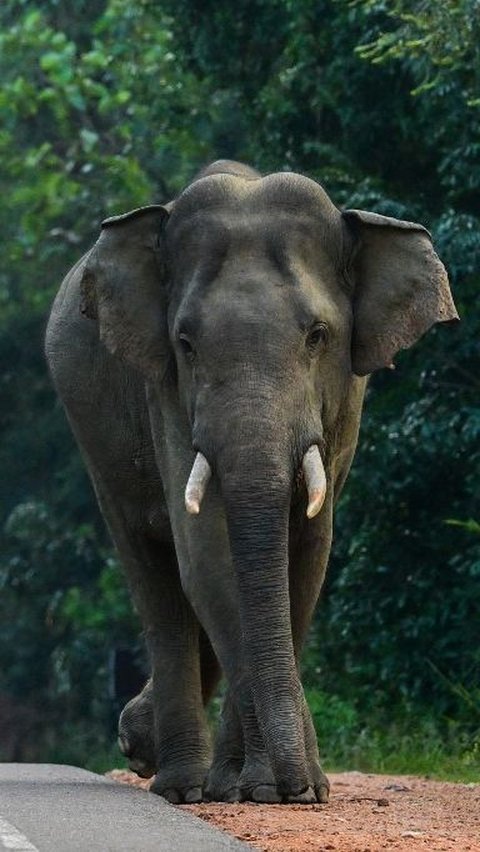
315 480
197 484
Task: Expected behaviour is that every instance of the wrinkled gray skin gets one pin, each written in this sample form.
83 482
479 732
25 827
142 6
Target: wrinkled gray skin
195 326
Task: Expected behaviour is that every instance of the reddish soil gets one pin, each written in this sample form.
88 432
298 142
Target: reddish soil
366 813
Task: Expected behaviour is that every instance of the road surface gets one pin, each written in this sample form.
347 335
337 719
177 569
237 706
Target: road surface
47 808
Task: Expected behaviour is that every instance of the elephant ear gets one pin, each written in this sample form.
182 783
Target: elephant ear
122 287
401 288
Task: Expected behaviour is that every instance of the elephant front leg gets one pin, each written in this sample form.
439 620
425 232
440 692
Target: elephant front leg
241 769
309 552
136 724
222 783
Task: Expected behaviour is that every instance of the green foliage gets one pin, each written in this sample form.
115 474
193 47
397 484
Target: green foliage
470 525
440 41
405 742
71 608
110 105
89 130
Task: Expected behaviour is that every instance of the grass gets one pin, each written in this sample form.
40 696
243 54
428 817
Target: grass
410 744
391 753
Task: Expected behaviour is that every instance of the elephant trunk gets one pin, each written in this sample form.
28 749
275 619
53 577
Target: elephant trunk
256 489
255 444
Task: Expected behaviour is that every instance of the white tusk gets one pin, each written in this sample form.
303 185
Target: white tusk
315 480
197 484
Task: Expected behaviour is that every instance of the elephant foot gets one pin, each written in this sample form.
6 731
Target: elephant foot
189 796
179 787
257 784
221 784
135 733
268 794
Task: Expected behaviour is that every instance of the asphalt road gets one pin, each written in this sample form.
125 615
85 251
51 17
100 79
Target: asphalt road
47 808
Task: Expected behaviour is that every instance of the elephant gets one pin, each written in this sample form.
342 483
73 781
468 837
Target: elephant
212 355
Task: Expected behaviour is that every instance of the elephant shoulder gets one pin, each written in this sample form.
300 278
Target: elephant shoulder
66 323
77 359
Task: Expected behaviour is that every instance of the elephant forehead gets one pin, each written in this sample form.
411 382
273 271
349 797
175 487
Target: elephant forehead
287 191
279 231
285 238
253 255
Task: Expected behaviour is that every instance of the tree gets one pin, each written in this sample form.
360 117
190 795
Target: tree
115 105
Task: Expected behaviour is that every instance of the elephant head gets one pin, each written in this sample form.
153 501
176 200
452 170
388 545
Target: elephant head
260 304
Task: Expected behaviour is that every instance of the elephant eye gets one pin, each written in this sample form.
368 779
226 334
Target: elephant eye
317 338
186 347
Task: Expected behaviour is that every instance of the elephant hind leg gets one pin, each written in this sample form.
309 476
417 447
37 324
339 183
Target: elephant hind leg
136 730
136 733
181 739
136 723
164 729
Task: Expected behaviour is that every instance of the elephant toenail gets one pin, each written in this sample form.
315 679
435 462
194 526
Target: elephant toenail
267 793
307 797
322 793
232 795
193 796
171 795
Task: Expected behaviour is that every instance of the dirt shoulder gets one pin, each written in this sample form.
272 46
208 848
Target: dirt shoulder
366 813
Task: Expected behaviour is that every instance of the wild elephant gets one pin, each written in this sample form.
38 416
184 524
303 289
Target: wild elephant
211 356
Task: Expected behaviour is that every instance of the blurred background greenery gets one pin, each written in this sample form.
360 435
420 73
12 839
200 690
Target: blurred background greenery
110 105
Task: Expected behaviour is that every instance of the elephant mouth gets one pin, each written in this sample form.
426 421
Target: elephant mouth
312 472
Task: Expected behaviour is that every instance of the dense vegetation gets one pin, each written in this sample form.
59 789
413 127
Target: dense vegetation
109 105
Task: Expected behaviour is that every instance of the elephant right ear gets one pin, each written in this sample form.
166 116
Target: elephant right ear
401 288
122 287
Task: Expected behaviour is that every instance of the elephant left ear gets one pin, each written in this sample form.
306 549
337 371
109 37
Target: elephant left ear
401 288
